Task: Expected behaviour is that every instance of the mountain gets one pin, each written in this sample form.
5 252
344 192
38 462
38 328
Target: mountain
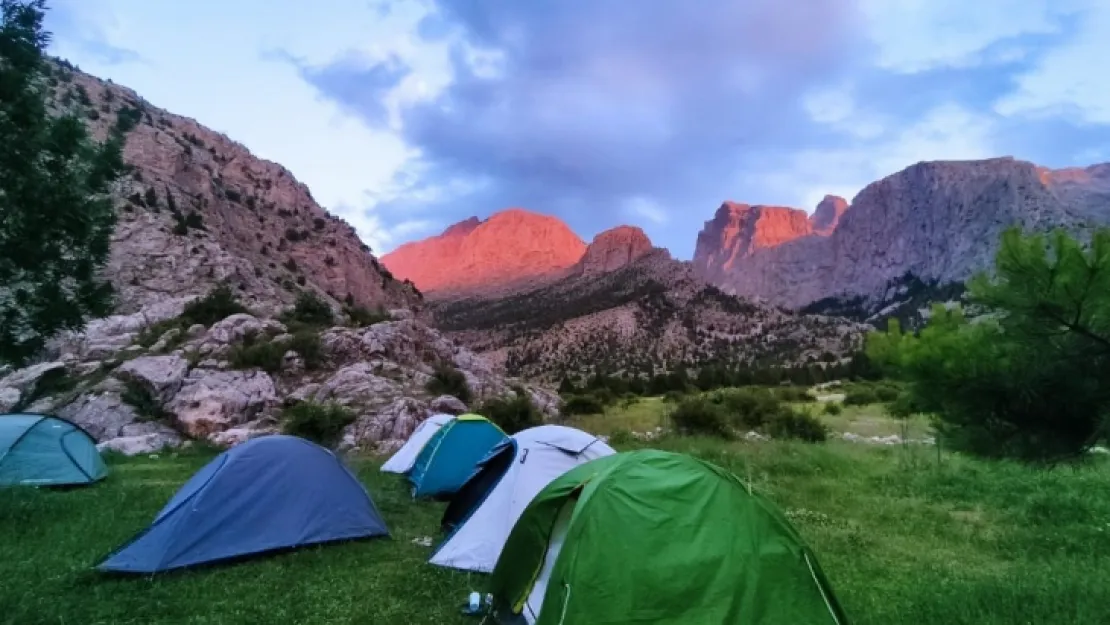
910 237
182 360
612 249
738 231
197 208
513 246
632 309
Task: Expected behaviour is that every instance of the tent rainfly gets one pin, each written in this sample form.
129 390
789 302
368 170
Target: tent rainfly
451 455
44 450
270 493
653 537
402 461
483 511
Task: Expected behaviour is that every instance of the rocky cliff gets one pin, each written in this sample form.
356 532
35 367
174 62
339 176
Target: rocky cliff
613 249
827 214
212 247
933 224
643 317
511 247
740 230
197 207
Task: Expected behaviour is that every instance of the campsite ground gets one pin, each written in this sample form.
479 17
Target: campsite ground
905 536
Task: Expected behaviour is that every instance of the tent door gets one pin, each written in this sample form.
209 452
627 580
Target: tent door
554 546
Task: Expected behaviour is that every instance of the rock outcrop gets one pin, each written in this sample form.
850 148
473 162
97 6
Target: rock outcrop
934 222
649 316
511 247
203 386
740 230
613 249
827 214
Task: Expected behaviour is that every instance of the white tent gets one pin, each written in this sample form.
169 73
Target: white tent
484 510
403 460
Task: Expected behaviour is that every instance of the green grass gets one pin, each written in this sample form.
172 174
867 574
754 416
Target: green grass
905 536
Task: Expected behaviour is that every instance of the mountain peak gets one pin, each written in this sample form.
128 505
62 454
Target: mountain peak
511 245
612 249
827 215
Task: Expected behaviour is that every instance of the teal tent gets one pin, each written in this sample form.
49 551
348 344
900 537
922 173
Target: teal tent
451 455
43 450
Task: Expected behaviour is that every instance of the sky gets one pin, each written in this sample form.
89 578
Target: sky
405 116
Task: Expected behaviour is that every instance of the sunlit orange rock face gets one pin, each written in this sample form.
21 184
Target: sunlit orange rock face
613 249
738 230
511 246
827 215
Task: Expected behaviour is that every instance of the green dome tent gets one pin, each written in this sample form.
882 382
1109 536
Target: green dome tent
43 450
662 538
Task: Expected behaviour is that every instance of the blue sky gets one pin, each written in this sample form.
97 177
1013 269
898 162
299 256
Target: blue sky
406 116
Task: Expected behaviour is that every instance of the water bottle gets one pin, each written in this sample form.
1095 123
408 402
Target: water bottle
475 602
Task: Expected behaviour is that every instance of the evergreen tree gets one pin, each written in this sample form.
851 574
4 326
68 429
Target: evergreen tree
1029 379
56 218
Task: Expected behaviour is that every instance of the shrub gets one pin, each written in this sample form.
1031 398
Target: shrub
796 424
362 317
860 396
219 304
620 437
698 415
747 407
447 380
146 406
308 346
791 393
267 356
310 309
320 423
833 408
512 414
582 404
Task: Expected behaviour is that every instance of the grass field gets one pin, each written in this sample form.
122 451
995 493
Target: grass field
904 538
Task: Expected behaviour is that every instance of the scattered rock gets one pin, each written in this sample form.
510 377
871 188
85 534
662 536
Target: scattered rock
9 398
448 404
143 438
24 380
103 414
395 422
161 375
212 401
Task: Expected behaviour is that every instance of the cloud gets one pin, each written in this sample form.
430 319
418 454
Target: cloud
624 108
404 117
1070 80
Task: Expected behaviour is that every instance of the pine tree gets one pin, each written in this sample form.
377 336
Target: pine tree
56 218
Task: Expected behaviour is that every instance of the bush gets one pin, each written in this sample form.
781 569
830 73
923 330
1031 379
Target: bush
791 393
308 346
320 423
146 406
582 404
309 309
747 407
267 356
833 408
698 415
512 414
447 380
796 424
860 396
362 317
219 304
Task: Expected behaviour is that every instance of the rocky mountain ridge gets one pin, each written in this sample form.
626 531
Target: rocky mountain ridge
197 208
513 246
637 318
932 225
214 253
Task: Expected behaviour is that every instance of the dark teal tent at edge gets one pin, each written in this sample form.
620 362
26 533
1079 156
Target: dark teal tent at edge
45 450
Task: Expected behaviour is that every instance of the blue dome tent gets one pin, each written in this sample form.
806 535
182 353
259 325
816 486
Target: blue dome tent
44 450
269 493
